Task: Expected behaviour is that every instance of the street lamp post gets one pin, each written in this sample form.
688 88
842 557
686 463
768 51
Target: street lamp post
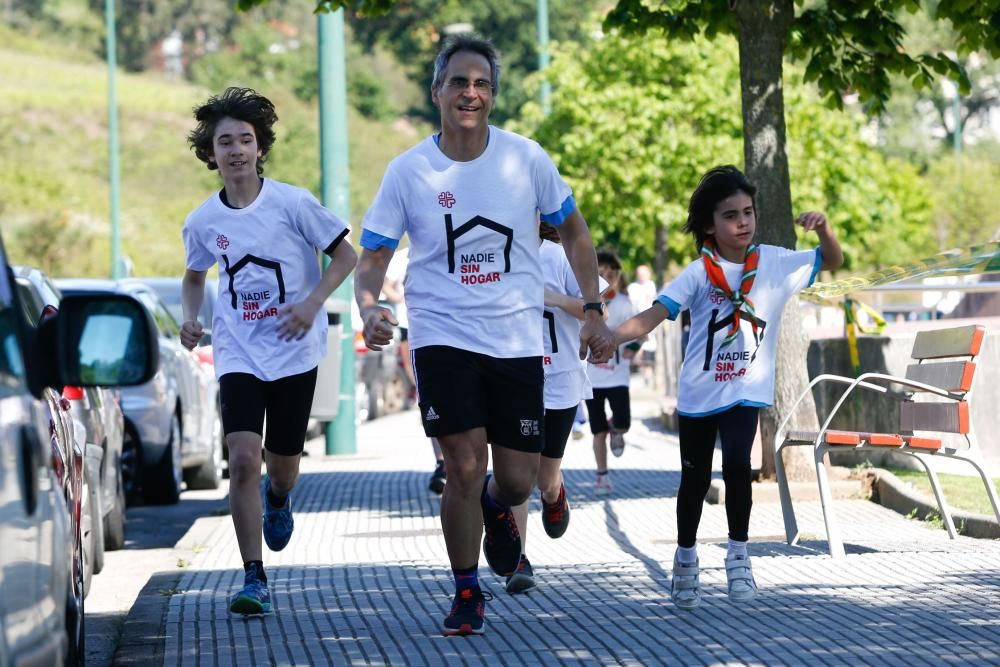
543 54
340 433
114 175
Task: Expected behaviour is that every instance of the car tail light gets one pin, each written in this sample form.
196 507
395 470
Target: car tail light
359 343
73 393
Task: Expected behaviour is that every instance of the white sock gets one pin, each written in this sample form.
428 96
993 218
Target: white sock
687 555
736 550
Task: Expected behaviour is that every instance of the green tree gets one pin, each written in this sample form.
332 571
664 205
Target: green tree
635 123
413 33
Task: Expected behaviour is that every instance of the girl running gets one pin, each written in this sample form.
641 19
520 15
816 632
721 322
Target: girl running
735 292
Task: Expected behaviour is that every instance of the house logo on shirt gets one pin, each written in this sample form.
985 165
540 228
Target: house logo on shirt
731 363
251 301
470 267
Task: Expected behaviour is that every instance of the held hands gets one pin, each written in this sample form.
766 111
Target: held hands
191 333
598 339
378 323
813 221
296 320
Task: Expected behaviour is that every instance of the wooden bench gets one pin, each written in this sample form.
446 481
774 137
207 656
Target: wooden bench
933 402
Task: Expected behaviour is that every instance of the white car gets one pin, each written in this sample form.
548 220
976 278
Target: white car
172 430
92 341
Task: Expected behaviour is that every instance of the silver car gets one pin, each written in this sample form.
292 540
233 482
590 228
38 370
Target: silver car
98 410
172 429
89 342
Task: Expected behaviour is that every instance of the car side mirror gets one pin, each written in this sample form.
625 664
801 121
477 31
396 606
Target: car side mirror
104 340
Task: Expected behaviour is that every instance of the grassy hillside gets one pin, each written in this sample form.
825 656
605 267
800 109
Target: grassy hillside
53 180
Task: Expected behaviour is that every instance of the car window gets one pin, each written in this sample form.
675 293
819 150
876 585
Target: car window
12 378
164 322
30 305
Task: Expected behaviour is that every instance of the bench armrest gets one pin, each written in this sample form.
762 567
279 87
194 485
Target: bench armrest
825 377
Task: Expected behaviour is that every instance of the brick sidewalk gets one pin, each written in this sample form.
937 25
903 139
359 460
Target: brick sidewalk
365 578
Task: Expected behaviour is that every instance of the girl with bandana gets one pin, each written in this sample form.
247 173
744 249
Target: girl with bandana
735 293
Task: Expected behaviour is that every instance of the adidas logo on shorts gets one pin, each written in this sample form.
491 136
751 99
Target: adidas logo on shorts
431 415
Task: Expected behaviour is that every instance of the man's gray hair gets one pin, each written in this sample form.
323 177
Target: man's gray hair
467 42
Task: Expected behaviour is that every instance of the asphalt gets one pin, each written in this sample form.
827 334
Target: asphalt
365 579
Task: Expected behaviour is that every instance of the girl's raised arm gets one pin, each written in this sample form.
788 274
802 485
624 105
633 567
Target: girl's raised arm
641 324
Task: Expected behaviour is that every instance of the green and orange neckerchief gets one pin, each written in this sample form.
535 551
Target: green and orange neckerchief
739 298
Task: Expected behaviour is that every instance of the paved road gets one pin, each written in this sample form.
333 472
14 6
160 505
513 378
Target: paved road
365 580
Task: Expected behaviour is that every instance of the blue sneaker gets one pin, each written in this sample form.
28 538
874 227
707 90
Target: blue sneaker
254 598
278 522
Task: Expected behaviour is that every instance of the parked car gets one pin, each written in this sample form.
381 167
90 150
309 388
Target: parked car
169 291
98 409
92 341
381 386
67 436
172 433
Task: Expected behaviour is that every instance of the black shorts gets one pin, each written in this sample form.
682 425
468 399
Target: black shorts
287 403
461 390
558 425
621 409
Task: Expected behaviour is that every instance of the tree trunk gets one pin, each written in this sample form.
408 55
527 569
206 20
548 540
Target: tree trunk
764 27
660 259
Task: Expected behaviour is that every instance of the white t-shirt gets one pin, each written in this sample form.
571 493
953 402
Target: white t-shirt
566 382
474 279
615 371
396 272
713 380
267 260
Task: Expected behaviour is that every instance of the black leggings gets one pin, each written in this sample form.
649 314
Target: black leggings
736 428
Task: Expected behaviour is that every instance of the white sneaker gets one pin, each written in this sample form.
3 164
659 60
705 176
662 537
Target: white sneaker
684 586
742 587
602 487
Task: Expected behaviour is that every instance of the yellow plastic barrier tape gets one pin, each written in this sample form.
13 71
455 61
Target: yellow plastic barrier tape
854 326
982 258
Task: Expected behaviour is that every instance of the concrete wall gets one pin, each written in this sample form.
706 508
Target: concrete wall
890 354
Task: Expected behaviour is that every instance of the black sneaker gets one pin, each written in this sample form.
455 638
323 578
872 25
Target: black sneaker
438 479
468 611
555 516
523 578
501 538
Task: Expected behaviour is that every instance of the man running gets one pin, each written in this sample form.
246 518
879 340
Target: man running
468 197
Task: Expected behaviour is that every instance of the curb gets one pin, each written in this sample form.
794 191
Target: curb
891 492
143 633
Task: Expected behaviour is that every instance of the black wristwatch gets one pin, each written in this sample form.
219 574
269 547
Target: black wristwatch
594 305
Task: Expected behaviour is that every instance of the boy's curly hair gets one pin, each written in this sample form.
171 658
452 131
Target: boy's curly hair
241 104
717 184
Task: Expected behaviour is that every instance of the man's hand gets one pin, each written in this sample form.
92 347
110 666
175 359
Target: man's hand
596 338
191 333
295 321
378 323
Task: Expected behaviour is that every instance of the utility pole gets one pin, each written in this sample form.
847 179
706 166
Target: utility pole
114 174
543 54
340 433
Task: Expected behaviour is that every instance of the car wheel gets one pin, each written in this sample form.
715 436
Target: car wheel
394 392
87 535
75 615
131 466
114 520
161 481
208 474
95 538
361 400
